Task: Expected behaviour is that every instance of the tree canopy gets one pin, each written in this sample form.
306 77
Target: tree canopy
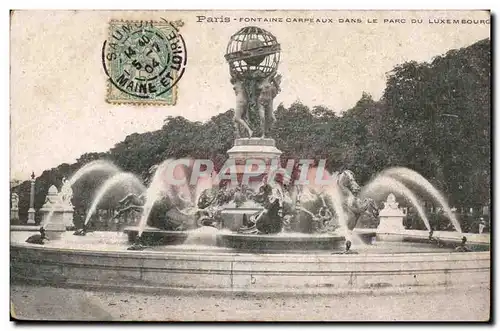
433 117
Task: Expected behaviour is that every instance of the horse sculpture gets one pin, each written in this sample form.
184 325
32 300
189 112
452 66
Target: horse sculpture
285 211
166 213
353 206
314 212
131 202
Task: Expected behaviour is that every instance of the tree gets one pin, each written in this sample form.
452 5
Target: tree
433 117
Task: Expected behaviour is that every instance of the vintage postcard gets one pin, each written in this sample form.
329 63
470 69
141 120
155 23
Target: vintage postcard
231 165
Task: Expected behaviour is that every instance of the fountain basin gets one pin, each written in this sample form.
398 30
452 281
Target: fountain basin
101 261
477 242
29 228
283 242
287 242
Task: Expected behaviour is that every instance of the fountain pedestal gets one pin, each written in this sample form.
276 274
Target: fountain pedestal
391 226
67 216
254 148
56 227
245 153
31 216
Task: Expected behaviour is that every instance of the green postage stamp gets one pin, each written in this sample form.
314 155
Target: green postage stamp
143 60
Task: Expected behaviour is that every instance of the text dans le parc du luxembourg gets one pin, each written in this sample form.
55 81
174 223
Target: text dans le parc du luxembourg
347 20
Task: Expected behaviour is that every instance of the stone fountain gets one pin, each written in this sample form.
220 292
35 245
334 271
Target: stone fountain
258 203
299 225
253 56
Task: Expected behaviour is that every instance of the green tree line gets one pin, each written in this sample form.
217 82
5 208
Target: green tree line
433 117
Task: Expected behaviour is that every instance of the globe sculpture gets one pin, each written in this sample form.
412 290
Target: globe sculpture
253 52
253 56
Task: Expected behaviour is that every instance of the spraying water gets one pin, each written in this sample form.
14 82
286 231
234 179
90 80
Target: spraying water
392 184
205 235
202 185
335 195
417 179
185 193
94 166
49 216
121 178
153 193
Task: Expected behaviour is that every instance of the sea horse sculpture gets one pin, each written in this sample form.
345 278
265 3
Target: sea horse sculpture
314 212
131 202
354 206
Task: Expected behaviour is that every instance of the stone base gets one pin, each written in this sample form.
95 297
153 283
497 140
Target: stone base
54 231
391 224
57 222
31 216
256 148
68 217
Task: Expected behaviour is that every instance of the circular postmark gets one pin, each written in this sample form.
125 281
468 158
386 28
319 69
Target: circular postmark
144 59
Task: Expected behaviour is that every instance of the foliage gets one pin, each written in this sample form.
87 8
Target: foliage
433 117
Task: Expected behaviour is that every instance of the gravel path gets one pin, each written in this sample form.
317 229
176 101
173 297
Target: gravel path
39 303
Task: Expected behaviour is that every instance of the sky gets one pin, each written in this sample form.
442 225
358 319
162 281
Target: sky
58 85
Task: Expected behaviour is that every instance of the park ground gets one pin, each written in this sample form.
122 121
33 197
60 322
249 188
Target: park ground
49 303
